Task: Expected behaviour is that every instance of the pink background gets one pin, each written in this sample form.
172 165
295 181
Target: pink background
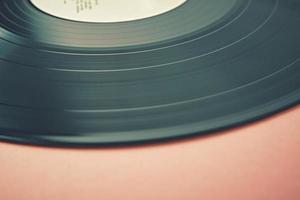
257 162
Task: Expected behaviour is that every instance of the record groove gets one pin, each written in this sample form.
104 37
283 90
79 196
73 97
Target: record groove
204 66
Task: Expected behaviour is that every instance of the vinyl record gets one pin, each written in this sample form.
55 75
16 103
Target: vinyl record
203 66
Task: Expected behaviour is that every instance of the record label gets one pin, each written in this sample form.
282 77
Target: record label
106 10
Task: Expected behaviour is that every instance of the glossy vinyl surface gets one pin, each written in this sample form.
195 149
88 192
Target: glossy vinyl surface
205 66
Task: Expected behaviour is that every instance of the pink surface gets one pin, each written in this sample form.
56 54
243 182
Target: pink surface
256 162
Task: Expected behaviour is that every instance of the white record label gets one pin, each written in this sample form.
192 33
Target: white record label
106 10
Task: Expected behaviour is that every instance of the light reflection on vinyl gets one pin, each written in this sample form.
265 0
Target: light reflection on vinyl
196 67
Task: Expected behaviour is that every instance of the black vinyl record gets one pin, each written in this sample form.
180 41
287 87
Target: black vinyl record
204 66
